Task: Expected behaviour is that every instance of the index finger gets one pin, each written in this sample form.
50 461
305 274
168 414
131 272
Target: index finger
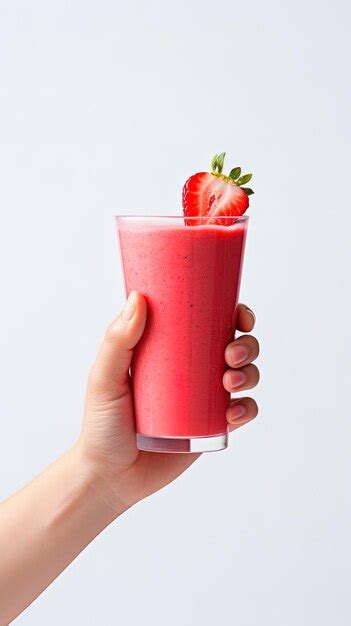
245 320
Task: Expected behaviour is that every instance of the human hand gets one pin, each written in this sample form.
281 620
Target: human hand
125 474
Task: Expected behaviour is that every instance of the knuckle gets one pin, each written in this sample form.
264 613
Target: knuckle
111 332
98 386
93 377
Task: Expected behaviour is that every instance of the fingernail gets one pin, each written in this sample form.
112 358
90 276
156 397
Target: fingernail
238 354
237 379
129 308
235 411
252 314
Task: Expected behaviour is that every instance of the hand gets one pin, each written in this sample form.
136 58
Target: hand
107 440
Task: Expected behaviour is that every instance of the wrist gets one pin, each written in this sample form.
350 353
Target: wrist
95 485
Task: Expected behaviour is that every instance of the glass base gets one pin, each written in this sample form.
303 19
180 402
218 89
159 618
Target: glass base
180 444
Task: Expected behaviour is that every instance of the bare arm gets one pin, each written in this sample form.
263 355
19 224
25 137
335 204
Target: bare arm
47 524
44 527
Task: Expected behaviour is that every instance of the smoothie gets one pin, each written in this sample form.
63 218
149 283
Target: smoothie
190 276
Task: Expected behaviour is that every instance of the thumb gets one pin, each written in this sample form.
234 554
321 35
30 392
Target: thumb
110 372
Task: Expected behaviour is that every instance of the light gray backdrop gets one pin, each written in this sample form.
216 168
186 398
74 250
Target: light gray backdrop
108 106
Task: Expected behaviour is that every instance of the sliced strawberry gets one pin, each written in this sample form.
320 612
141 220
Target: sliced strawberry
215 195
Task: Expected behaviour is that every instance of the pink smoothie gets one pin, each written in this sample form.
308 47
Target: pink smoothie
190 276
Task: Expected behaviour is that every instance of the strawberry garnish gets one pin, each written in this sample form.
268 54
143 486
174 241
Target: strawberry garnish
215 195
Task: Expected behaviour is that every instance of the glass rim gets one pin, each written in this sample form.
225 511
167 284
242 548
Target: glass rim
184 217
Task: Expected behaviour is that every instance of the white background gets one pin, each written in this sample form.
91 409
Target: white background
108 107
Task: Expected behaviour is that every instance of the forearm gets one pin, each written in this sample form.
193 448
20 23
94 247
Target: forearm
44 527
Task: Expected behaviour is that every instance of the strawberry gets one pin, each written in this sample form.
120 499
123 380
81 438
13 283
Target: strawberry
214 195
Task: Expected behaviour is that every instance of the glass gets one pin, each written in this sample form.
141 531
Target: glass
189 271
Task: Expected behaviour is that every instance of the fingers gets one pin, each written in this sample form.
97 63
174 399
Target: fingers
240 412
239 355
242 351
245 319
110 371
246 377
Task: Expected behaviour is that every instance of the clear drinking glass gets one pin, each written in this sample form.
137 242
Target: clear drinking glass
189 271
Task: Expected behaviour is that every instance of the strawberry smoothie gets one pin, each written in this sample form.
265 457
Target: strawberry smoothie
190 276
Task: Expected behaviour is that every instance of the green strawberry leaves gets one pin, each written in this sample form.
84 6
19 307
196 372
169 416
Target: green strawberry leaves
217 163
214 163
235 177
220 162
243 179
235 173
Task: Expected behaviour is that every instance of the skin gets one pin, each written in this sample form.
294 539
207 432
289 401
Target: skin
56 515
